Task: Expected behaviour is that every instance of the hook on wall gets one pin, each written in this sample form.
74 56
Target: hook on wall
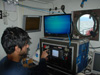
53 10
56 8
63 9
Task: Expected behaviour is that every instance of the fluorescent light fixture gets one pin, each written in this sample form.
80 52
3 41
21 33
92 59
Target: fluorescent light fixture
12 1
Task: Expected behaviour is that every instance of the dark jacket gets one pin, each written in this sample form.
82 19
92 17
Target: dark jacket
8 67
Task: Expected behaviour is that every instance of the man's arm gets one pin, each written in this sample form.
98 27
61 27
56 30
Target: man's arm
41 69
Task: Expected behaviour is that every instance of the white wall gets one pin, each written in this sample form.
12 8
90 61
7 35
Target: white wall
73 5
3 26
15 18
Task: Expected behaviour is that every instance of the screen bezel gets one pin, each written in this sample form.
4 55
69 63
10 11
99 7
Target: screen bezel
92 68
57 35
34 16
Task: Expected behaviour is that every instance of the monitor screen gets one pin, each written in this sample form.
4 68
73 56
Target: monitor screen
55 53
96 63
31 23
57 25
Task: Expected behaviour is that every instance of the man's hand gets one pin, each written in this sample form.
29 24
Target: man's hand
44 54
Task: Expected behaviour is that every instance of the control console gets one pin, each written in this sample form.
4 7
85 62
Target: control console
59 56
65 60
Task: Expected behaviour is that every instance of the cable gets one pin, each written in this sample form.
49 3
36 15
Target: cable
82 3
44 3
34 8
69 40
72 26
92 47
63 9
39 9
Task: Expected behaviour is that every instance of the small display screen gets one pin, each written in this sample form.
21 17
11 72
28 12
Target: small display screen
55 53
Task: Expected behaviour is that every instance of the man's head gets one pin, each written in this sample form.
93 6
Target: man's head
15 38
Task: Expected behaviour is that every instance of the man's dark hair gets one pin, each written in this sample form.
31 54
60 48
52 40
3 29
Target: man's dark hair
14 36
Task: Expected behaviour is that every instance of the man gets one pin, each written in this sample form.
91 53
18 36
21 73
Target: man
15 42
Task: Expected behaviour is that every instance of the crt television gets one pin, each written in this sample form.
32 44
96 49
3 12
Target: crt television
57 25
32 23
96 63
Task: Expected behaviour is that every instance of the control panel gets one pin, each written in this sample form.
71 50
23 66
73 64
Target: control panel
59 56
64 60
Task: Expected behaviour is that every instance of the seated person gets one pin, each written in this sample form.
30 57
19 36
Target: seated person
15 42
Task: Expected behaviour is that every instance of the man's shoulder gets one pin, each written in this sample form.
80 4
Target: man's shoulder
8 67
3 60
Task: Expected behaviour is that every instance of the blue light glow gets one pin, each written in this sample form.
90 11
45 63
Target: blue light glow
57 24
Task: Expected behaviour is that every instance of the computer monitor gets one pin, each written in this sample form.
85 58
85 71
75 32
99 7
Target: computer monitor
96 63
32 23
57 25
